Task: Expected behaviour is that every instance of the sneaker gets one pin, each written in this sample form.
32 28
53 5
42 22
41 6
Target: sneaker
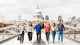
58 41
53 43
48 42
61 42
20 42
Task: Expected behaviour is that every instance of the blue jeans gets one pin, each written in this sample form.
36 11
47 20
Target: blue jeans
53 35
60 33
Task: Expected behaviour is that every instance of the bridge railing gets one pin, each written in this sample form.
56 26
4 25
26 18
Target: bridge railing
11 30
72 33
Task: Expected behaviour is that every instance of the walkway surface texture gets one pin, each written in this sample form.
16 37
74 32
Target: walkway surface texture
14 41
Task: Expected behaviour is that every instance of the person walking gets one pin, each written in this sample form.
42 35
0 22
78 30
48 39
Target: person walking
42 25
47 31
53 32
21 32
38 30
30 31
60 27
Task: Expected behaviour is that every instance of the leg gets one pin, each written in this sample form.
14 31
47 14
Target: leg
62 36
29 36
48 36
23 37
39 36
53 36
58 36
20 38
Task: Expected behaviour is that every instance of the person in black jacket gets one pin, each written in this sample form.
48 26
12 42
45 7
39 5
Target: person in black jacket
42 25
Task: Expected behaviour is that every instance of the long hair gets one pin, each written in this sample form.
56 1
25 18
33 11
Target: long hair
54 24
30 24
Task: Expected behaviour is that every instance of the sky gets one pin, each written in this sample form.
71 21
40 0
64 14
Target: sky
11 9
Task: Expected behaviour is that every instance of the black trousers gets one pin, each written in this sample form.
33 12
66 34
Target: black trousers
39 36
30 36
22 37
47 36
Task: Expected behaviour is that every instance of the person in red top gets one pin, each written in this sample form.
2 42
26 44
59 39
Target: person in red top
47 31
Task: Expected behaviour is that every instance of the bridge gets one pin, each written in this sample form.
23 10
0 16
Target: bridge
72 36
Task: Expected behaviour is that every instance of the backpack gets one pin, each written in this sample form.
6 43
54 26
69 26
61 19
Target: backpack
62 25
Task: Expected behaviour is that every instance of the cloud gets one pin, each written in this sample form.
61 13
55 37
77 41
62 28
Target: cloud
53 8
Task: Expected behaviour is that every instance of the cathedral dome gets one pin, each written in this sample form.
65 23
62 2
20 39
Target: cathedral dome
37 15
37 11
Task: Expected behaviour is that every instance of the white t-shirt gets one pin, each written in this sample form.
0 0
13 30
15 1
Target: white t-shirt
53 28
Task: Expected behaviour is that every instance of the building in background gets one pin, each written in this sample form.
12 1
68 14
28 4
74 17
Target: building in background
46 17
73 18
60 17
19 17
37 16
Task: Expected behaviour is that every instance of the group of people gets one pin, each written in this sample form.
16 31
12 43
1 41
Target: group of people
38 28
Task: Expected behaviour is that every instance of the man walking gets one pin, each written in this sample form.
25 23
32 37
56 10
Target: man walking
38 29
60 27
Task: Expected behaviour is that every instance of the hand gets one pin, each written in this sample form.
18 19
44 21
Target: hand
19 32
45 31
41 32
33 32
59 26
64 32
36 32
50 32
27 33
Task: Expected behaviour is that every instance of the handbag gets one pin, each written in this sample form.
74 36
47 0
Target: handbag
18 38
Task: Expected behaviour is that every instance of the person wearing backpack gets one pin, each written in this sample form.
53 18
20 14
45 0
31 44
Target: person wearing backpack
38 30
60 27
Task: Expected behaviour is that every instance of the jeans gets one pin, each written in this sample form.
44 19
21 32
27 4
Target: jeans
39 36
60 33
47 36
30 35
53 34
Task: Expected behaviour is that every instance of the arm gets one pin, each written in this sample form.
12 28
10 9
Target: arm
58 26
35 29
41 29
63 27
44 28
50 30
27 31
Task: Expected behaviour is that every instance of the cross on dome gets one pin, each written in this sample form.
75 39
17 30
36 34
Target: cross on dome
37 6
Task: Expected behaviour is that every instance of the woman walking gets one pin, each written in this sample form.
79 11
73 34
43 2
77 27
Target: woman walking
53 32
21 32
47 31
30 31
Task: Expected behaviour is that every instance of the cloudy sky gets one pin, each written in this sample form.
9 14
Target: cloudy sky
53 8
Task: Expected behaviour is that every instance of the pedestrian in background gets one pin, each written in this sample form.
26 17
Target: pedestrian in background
53 32
47 30
30 31
38 30
60 27
21 32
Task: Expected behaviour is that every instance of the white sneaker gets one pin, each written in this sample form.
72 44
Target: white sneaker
48 42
